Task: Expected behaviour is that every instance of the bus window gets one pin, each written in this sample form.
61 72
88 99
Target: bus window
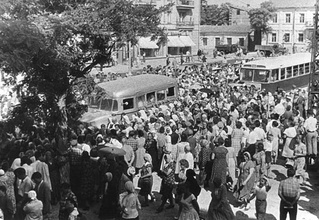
140 101
247 75
128 103
295 73
160 95
150 97
289 72
275 75
170 91
106 104
93 102
282 73
301 69
261 76
307 68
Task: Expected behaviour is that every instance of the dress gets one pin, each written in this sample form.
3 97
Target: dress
188 211
139 153
223 211
147 182
236 138
290 133
220 164
151 148
8 181
231 162
244 191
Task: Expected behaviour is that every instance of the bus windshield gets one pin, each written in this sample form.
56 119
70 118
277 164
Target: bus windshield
255 75
105 104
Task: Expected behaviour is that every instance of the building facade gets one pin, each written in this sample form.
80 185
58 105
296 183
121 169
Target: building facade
182 27
211 36
292 25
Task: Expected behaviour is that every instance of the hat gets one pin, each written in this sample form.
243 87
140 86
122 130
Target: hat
1 172
32 194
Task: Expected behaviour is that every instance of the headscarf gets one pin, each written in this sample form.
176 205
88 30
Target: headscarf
248 155
16 163
32 195
148 158
129 186
109 177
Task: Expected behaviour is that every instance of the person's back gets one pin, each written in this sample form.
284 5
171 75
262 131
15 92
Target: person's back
33 209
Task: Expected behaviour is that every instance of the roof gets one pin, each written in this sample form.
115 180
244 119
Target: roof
294 3
225 29
135 85
281 61
180 41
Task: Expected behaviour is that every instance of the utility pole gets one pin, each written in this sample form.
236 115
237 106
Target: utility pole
313 89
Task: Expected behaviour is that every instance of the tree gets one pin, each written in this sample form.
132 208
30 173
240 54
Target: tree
259 18
55 46
214 14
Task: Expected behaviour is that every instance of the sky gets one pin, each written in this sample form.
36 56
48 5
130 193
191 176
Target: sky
252 3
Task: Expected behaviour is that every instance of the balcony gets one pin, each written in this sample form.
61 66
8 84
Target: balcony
184 4
184 24
144 2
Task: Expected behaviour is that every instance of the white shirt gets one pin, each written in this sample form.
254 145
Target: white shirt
310 124
268 146
261 135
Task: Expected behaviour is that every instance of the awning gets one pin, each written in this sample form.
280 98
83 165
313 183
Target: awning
146 43
187 41
174 41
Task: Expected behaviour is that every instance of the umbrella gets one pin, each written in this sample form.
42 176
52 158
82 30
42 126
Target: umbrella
112 150
206 90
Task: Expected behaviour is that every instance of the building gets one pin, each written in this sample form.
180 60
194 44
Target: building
211 36
292 25
181 24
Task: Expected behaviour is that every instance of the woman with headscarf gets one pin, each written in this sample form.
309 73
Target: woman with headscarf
146 179
129 202
168 181
33 209
151 149
246 181
220 157
219 207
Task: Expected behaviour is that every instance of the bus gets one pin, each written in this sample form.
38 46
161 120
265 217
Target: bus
283 72
129 95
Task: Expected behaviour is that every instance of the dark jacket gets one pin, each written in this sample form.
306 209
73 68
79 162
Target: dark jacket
44 195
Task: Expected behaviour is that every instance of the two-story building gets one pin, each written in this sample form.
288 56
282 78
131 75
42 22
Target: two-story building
292 24
181 24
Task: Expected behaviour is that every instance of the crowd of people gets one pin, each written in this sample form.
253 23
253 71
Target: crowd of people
224 141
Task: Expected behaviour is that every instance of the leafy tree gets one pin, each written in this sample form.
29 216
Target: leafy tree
55 44
214 14
259 18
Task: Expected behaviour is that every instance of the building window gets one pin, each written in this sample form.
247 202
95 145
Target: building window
238 11
288 18
274 18
302 18
300 37
286 37
273 37
241 41
205 41
217 41
229 41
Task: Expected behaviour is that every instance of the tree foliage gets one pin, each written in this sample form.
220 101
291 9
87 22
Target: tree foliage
259 18
215 15
54 44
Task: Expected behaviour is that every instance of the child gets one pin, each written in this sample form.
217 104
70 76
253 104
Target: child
130 203
268 151
188 206
260 191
